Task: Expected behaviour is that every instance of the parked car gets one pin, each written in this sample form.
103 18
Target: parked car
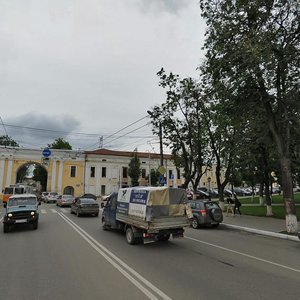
214 193
241 192
65 200
205 212
202 195
21 209
227 193
85 206
51 197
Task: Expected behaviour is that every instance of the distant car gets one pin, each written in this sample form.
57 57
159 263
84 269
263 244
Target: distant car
65 200
241 192
51 197
205 212
202 195
44 195
85 206
21 209
227 192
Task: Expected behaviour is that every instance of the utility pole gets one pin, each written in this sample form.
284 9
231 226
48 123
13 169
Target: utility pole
100 142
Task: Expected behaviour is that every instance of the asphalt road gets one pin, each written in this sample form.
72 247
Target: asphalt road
73 258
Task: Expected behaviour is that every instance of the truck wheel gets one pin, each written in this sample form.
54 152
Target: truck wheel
35 225
163 237
195 223
130 236
5 228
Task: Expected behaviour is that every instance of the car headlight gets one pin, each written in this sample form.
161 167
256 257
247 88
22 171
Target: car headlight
32 213
9 215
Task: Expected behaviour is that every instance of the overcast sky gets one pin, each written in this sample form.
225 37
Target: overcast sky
82 69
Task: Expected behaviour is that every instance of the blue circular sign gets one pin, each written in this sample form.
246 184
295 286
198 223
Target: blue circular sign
46 152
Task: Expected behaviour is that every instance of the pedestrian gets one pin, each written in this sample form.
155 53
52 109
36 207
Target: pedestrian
237 204
230 205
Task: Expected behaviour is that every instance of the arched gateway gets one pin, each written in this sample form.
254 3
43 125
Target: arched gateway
62 169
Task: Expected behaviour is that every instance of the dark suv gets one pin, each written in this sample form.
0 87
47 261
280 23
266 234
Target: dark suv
21 209
205 212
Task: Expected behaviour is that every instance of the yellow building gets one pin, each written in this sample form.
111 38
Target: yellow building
77 172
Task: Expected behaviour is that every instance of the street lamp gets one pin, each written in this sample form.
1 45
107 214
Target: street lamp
209 180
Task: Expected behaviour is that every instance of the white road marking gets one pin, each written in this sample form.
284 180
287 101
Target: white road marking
244 254
64 210
118 263
43 211
54 210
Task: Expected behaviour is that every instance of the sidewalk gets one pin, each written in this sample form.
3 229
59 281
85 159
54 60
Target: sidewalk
260 225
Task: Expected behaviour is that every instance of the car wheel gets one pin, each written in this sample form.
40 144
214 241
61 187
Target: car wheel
195 223
77 213
130 236
35 225
5 228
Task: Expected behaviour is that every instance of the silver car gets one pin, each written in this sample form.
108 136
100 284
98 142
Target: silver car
65 200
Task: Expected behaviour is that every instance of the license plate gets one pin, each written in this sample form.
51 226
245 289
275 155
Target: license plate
21 221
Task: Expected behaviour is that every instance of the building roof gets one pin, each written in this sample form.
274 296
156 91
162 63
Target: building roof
127 153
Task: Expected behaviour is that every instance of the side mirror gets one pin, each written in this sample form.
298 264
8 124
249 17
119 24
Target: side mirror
4 204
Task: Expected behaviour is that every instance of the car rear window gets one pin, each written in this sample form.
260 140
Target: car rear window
86 200
210 205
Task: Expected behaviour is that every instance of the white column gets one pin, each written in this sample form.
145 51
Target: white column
53 176
8 174
87 179
60 172
97 178
175 178
1 174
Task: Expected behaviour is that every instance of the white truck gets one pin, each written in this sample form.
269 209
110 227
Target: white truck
147 213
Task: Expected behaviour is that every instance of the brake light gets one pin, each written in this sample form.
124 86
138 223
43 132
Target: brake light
203 212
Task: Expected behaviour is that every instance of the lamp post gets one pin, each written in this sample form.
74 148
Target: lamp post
209 180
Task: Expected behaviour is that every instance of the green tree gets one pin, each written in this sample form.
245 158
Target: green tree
253 52
5 140
60 143
183 130
134 170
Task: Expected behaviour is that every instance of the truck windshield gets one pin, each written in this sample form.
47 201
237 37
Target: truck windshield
21 201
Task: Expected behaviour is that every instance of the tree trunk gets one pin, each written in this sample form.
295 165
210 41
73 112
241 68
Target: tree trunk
288 196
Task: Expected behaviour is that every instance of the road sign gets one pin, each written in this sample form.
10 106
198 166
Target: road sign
46 152
162 170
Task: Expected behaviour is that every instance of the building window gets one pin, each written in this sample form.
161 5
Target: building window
170 174
103 171
143 173
73 171
102 189
125 172
92 171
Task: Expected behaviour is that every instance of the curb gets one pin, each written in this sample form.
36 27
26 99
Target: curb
264 232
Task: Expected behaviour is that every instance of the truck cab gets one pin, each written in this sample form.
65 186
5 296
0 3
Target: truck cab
109 212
